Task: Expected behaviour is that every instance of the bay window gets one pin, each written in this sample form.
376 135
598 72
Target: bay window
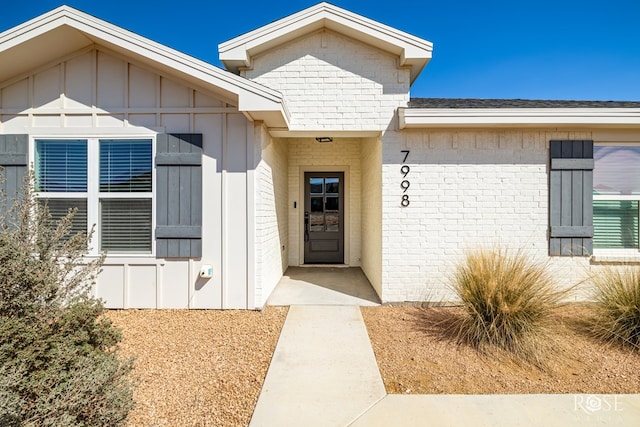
109 181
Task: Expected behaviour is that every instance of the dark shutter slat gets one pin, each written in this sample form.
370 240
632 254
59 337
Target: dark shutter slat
173 249
185 246
572 164
173 210
184 206
14 159
571 231
162 247
178 231
177 159
196 247
11 159
587 198
196 188
576 196
179 177
570 198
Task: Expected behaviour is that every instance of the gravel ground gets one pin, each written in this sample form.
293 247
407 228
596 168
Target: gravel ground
206 368
416 357
198 368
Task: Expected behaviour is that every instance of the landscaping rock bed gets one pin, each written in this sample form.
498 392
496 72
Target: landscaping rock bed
197 367
416 355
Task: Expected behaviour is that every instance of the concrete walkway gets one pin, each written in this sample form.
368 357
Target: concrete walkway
323 371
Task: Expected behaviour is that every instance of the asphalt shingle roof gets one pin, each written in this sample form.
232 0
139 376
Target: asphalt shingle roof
515 103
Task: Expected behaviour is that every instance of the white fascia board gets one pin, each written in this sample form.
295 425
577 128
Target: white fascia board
412 118
410 49
249 94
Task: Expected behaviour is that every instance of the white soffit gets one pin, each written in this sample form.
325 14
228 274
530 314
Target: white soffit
412 51
518 117
65 30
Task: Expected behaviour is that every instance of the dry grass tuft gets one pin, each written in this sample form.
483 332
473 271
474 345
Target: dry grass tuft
508 300
617 305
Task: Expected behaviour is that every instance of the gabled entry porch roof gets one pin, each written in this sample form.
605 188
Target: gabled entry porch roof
413 51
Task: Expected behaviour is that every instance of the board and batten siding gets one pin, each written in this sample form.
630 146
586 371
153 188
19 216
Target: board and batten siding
96 92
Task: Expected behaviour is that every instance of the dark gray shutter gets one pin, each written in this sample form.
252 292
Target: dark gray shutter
571 198
14 159
179 195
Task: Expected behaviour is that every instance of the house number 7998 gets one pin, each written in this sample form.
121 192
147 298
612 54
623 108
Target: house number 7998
405 184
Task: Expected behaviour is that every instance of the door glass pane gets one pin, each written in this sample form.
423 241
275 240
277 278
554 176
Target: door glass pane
316 204
332 203
333 221
315 185
617 170
316 222
332 185
615 224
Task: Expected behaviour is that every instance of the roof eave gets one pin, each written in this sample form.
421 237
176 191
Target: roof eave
418 118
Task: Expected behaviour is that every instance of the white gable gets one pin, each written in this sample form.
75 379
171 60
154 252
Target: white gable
412 51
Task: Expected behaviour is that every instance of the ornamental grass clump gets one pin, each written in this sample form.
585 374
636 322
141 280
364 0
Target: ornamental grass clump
617 305
508 299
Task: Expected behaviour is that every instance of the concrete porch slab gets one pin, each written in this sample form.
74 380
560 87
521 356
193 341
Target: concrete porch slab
324 286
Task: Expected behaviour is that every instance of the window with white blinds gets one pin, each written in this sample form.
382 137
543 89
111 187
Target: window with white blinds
60 208
108 181
616 196
125 166
125 223
61 166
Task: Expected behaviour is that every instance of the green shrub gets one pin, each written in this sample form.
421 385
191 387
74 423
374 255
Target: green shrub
617 308
58 365
507 299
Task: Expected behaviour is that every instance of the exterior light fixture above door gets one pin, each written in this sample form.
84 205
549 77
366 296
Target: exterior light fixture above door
322 139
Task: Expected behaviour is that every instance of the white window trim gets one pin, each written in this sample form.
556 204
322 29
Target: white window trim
621 255
93 195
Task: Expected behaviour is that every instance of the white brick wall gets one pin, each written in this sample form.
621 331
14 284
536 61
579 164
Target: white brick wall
332 82
467 189
341 154
371 151
271 215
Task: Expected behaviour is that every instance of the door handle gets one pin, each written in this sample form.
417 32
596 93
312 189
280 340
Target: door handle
306 226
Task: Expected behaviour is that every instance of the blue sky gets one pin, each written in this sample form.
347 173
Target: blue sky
542 49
